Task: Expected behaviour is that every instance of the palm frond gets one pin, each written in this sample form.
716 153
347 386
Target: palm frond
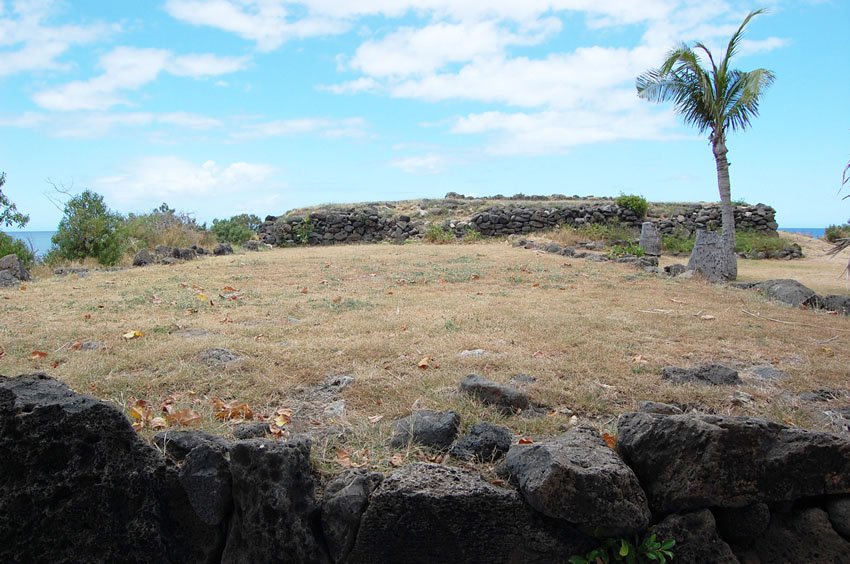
735 40
744 91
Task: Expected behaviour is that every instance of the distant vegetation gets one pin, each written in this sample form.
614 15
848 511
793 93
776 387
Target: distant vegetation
637 204
11 217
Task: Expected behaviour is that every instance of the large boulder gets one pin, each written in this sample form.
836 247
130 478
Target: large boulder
484 442
787 291
345 500
838 509
78 485
693 461
435 429
143 258
806 536
12 271
711 259
276 517
506 398
578 478
425 513
696 538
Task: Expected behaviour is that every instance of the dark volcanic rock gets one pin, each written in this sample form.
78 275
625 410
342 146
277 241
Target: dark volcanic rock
78 485
255 430
715 374
426 513
806 536
787 291
838 509
143 258
675 269
222 249
840 304
275 512
185 254
485 442
506 398
578 478
205 476
709 258
14 268
693 461
696 538
436 429
178 444
739 524
345 500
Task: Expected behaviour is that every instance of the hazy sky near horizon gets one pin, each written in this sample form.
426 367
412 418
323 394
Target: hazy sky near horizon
219 107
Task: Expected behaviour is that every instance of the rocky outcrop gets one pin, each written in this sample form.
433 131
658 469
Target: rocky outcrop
578 478
12 271
690 461
77 484
425 513
696 538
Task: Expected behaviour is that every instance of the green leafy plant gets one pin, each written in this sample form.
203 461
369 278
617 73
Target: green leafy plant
637 204
739 202
303 231
634 551
835 232
753 242
678 243
439 235
625 249
472 235
11 246
89 229
9 214
236 230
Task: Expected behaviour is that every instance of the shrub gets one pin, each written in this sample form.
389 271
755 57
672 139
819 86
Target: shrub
754 242
625 249
637 204
632 552
237 229
472 235
165 226
89 229
439 235
303 231
11 246
836 232
9 214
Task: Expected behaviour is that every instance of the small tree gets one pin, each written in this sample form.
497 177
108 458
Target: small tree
719 100
237 229
89 229
9 214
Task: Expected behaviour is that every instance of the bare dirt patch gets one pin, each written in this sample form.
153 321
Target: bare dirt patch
397 319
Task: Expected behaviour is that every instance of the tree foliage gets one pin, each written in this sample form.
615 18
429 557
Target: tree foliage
237 229
9 214
715 98
89 229
163 226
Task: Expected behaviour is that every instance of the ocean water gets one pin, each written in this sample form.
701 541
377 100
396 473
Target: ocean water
816 232
39 241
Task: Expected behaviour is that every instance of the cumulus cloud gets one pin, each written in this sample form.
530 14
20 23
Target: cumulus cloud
324 127
174 179
428 164
130 68
29 42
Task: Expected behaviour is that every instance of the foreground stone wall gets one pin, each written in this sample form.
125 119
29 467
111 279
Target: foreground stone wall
78 485
367 224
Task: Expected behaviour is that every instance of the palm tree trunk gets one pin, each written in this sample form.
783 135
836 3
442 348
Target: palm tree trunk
727 214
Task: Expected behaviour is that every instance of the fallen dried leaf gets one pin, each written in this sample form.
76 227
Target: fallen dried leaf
610 440
184 418
639 359
228 289
202 297
229 411
525 441
158 423
87 316
336 299
707 317
41 354
283 417
343 458
2 352
375 418
425 362
397 460
132 335
75 346
304 290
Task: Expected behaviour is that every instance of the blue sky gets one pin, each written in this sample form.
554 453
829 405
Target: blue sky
220 107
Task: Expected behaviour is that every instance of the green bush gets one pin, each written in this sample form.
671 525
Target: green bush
237 229
632 552
472 235
754 242
678 243
836 232
625 249
89 229
9 214
439 235
11 246
164 226
637 204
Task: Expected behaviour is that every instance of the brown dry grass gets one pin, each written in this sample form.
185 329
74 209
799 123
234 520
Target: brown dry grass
594 335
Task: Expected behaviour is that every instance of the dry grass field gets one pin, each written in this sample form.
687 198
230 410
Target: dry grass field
398 318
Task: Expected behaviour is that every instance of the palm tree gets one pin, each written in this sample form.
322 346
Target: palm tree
719 100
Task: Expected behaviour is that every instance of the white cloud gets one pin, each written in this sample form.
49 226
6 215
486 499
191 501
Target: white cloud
174 179
28 42
88 125
428 164
127 69
331 128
